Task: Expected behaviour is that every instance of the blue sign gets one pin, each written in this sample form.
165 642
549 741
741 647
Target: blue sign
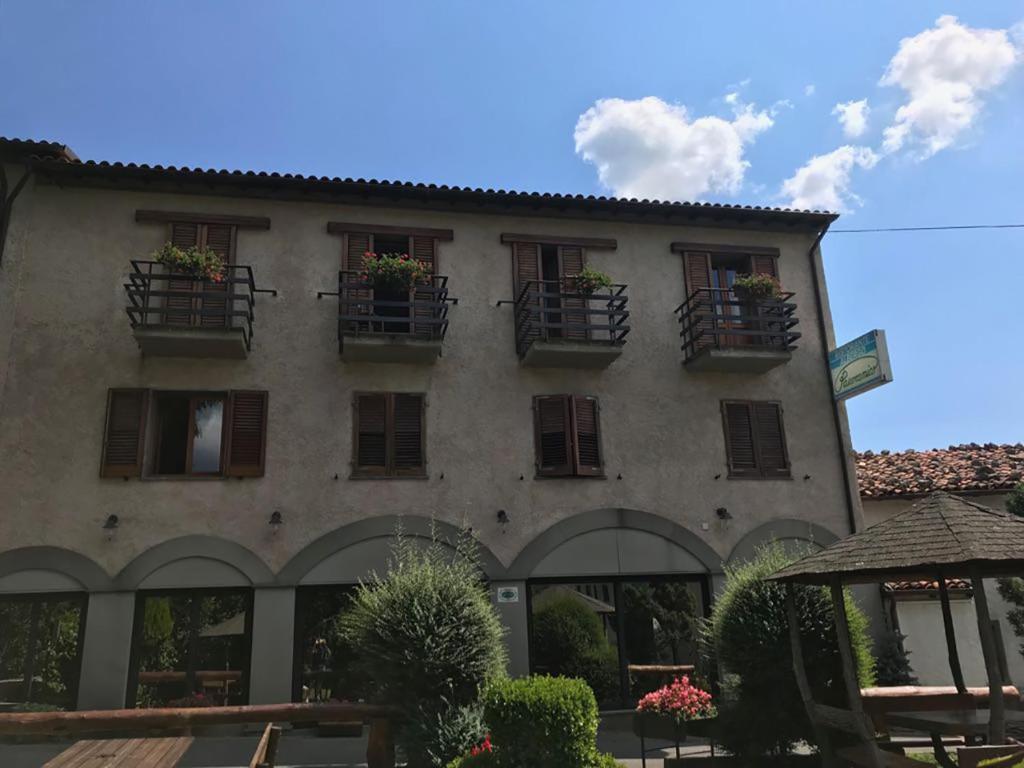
860 365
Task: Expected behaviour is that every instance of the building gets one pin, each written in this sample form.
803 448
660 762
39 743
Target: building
890 482
195 474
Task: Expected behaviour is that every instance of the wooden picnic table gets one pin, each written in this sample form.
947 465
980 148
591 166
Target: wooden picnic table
157 752
972 724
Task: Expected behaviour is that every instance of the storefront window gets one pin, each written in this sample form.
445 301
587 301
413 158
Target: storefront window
40 651
325 667
624 636
191 648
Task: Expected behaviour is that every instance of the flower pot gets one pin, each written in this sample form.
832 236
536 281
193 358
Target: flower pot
653 725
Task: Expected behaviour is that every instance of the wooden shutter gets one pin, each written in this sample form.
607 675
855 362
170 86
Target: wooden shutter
354 247
571 261
771 439
407 430
526 268
370 451
124 434
424 249
552 430
740 449
697 270
247 434
178 308
220 239
587 433
764 264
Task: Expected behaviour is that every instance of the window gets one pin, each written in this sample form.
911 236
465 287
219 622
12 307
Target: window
189 644
388 435
755 439
195 434
41 649
187 305
325 667
567 435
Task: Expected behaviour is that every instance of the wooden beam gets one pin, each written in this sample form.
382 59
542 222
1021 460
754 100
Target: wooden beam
594 243
192 217
802 683
341 228
947 625
996 705
716 248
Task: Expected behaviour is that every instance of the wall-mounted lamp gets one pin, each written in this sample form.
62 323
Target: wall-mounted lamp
723 513
110 526
276 521
503 517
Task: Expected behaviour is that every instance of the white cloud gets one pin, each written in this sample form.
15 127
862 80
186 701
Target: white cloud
824 181
648 148
853 116
809 89
945 71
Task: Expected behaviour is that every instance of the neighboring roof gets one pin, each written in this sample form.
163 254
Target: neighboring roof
940 532
960 468
71 170
927 585
22 149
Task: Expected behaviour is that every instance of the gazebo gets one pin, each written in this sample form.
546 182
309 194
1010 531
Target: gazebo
940 537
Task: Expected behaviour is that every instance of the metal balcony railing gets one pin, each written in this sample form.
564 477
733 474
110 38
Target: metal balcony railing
421 312
715 318
161 298
554 310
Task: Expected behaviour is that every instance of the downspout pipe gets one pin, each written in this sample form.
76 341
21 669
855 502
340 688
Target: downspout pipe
7 203
837 418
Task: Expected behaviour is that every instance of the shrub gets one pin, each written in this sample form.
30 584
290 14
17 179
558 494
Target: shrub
892 666
748 635
590 280
202 263
430 640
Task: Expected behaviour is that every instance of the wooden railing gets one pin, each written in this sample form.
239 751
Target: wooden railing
715 318
161 298
555 310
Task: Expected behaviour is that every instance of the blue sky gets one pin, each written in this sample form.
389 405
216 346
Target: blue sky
716 101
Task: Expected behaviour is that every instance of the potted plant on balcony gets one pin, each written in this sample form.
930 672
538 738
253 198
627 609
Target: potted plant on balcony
756 287
664 713
590 280
393 271
200 263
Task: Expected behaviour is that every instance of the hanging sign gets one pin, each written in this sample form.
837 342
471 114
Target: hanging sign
860 365
508 594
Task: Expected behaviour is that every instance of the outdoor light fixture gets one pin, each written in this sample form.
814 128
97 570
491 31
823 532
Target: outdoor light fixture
502 516
723 513
276 521
110 526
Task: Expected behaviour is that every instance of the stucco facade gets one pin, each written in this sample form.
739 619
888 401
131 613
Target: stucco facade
65 339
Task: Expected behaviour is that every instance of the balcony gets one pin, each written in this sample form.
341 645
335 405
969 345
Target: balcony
558 326
724 334
173 314
391 327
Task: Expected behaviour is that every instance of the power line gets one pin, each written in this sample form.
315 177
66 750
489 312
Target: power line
927 229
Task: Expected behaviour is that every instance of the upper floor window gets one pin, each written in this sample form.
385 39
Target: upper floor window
755 439
195 434
389 435
567 435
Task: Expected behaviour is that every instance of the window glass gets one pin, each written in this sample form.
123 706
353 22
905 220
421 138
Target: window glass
40 651
192 648
326 668
206 435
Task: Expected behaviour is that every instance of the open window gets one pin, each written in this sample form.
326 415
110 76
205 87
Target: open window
567 436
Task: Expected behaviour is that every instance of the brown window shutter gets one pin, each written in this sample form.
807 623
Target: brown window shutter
247 434
526 268
571 259
771 440
740 446
124 434
408 444
697 271
219 238
552 429
424 249
354 247
764 265
370 451
178 309
587 431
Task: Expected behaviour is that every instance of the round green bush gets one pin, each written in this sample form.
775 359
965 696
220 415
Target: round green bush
430 641
748 635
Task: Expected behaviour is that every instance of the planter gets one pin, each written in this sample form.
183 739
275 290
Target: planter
651 725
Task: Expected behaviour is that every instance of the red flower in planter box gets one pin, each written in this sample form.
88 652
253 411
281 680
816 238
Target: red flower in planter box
680 700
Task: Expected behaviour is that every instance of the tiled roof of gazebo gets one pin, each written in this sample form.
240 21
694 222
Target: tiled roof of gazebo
939 533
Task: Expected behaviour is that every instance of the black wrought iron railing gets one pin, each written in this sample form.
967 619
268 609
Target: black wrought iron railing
555 310
421 312
715 318
159 297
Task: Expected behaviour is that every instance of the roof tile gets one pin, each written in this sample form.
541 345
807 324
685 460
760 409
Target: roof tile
957 469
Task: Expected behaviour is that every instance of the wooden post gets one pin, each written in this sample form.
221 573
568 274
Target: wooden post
947 623
996 705
380 749
802 683
849 665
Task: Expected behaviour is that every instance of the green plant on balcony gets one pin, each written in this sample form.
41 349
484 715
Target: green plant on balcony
756 287
590 280
201 263
393 271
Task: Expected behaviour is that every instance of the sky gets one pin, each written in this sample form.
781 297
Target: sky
894 113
